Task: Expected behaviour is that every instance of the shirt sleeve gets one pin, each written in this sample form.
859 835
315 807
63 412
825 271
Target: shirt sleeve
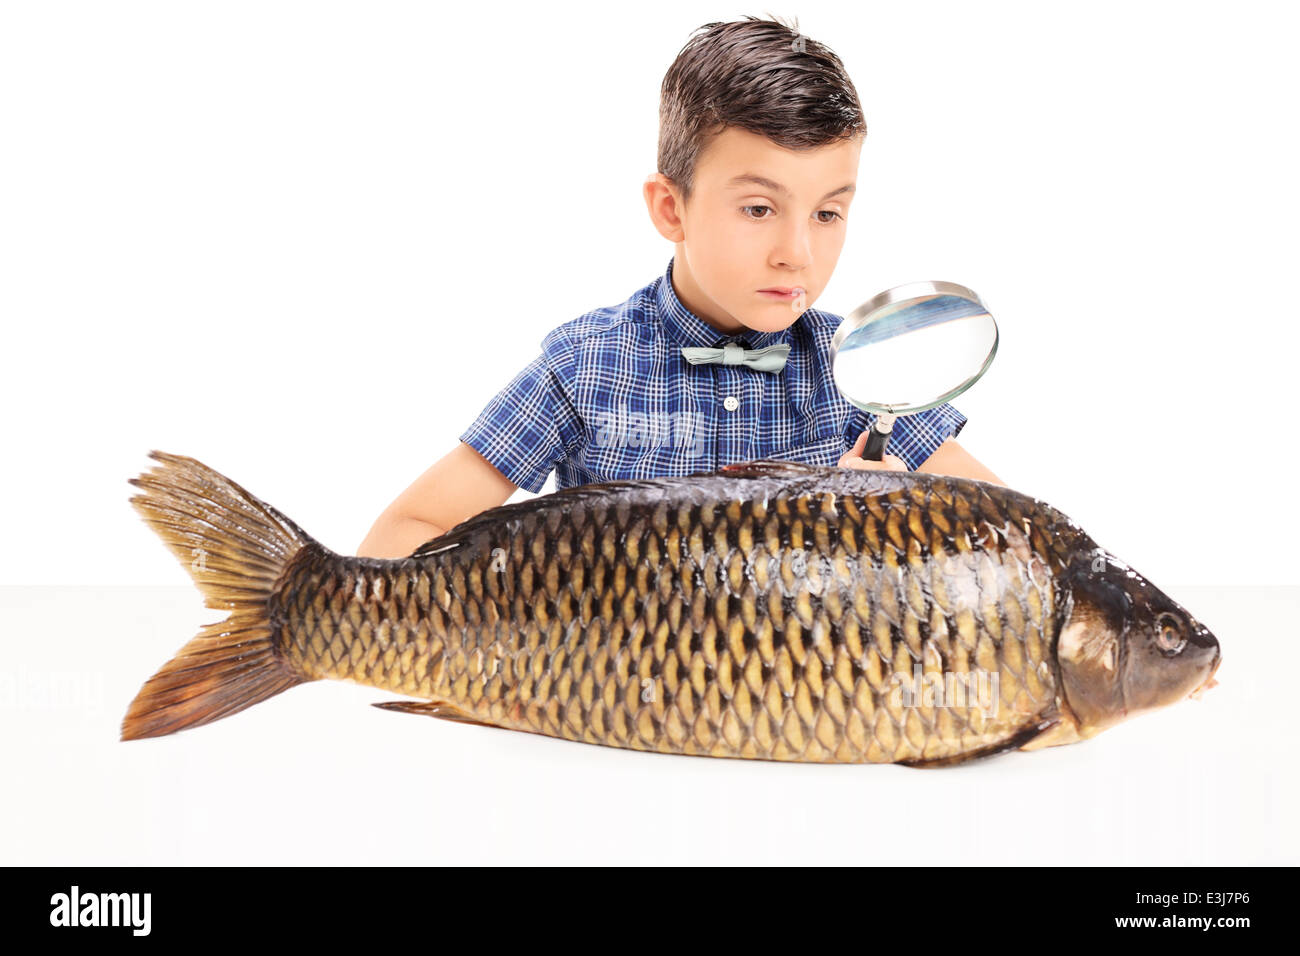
527 427
916 437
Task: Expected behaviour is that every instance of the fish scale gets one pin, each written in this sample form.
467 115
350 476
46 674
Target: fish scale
778 640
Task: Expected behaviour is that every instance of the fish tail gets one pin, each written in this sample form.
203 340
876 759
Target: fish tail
235 547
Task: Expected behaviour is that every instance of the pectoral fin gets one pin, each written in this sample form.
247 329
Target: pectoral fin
1025 739
1062 731
433 708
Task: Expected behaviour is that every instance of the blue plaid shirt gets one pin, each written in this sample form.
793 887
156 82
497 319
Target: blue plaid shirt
611 397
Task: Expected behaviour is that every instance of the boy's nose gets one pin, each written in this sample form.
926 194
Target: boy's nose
794 253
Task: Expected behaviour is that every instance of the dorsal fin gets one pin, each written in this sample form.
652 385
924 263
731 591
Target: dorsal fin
771 468
760 468
454 536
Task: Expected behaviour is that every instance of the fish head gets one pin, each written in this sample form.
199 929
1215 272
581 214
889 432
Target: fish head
1126 647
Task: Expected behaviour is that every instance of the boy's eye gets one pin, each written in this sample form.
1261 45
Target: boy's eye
749 211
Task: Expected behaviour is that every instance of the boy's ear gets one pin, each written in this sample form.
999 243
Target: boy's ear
663 202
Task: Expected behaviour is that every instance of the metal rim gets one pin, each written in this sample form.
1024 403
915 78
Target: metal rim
910 290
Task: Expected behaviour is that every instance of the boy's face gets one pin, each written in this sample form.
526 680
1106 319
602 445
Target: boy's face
737 236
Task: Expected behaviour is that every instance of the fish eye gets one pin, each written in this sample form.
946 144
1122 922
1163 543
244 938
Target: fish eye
1169 634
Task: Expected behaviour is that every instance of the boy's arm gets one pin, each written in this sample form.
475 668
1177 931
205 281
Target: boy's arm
951 459
926 442
457 486
522 431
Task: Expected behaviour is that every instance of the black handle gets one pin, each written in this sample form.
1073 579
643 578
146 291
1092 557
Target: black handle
877 442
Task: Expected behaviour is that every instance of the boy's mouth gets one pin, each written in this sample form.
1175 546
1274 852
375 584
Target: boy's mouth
782 293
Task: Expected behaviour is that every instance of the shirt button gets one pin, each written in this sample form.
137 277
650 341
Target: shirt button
731 403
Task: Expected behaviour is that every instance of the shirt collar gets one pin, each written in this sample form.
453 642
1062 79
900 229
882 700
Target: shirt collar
684 327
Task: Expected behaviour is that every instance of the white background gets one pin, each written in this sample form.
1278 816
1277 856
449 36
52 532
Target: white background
306 243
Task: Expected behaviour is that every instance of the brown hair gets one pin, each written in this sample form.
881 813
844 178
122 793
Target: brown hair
758 75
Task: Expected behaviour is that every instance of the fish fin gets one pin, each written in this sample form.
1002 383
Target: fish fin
507 515
433 546
1016 741
433 708
1062 730
235 548
770 468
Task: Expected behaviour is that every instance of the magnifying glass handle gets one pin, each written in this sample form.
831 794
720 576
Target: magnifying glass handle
878 440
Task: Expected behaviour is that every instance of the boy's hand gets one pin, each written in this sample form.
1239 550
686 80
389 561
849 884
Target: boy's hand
853 458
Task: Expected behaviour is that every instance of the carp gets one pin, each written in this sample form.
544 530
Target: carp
769 610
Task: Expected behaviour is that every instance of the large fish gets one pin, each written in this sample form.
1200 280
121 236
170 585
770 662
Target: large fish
768 610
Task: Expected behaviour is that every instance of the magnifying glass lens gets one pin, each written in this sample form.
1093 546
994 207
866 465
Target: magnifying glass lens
923 351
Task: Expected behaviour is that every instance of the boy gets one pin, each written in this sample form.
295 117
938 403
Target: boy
720 359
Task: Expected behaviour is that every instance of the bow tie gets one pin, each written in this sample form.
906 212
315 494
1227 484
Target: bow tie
770 359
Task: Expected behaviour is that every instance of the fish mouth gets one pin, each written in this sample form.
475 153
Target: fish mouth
1209 681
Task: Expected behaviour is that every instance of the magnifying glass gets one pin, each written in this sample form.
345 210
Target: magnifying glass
909 349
